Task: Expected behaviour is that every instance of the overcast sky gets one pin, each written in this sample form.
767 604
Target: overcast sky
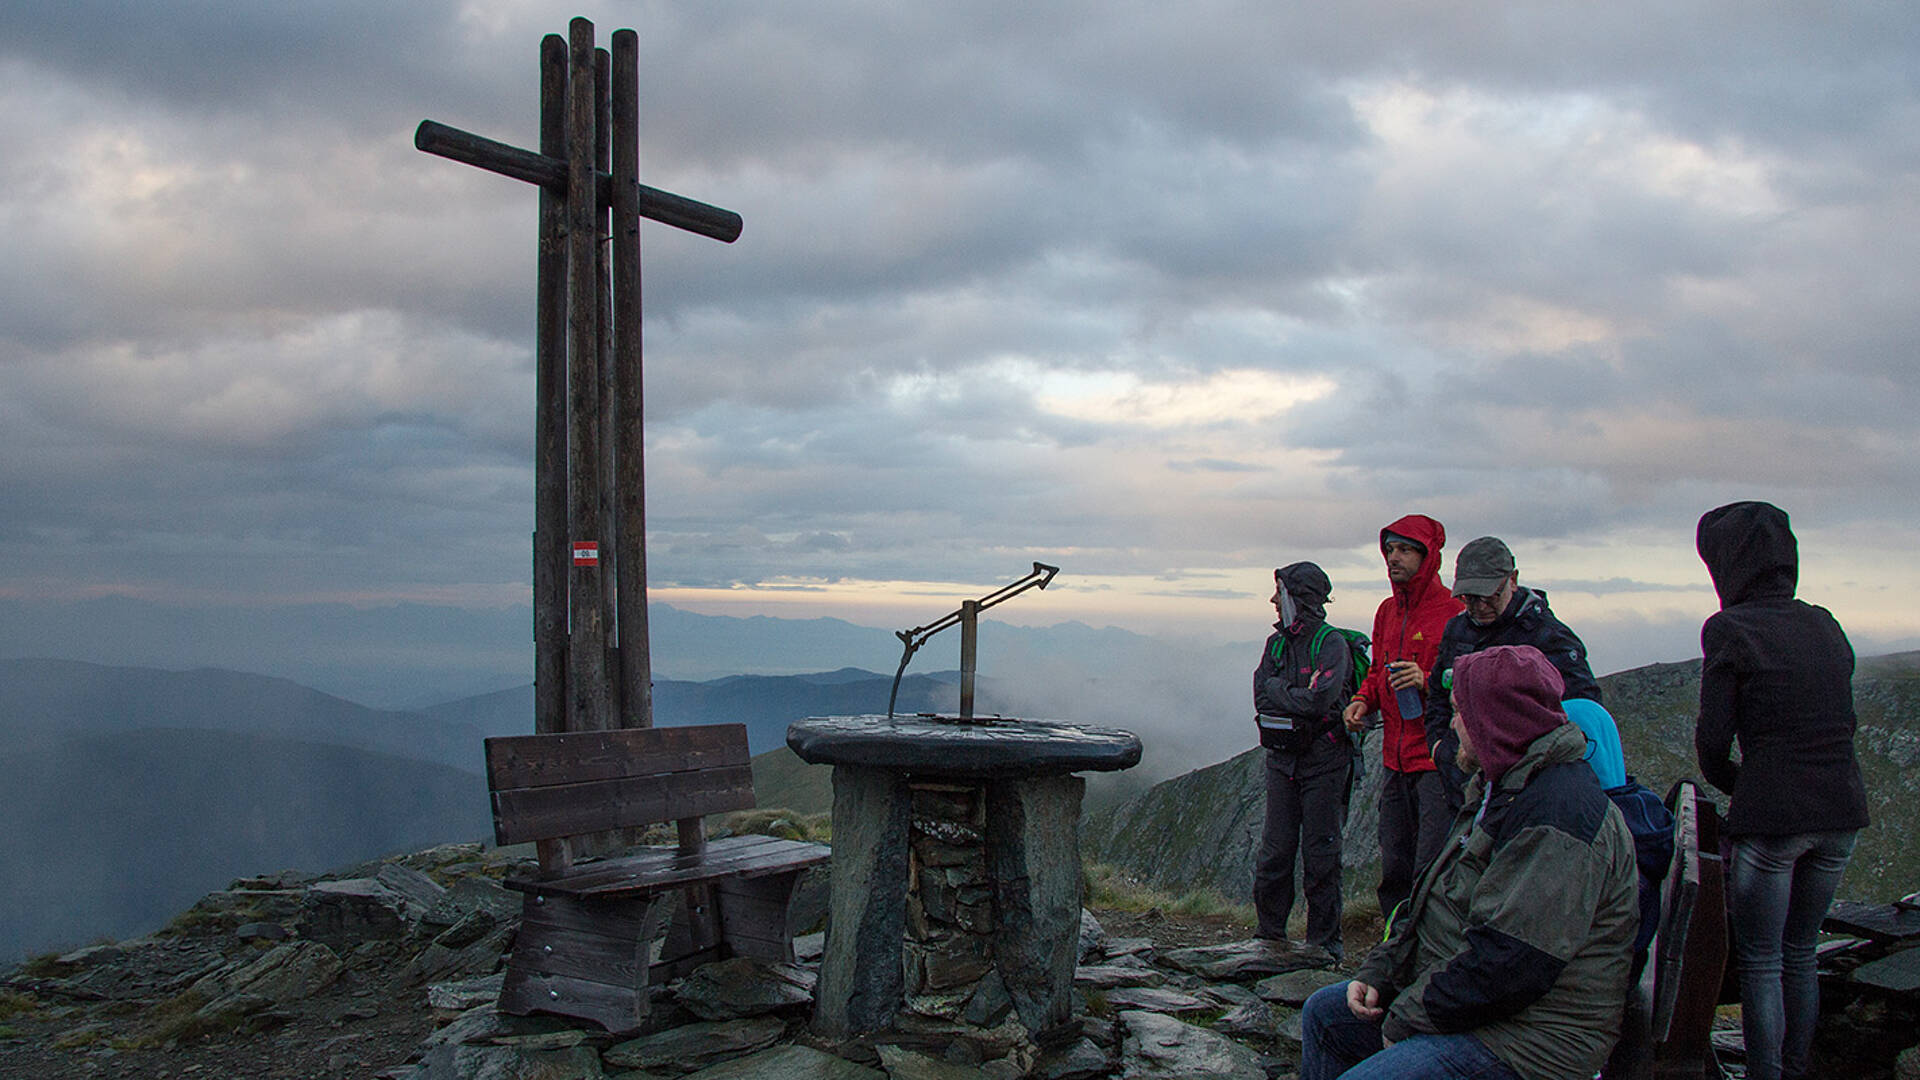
1165 294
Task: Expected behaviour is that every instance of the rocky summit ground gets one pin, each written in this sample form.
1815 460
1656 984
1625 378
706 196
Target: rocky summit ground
389 970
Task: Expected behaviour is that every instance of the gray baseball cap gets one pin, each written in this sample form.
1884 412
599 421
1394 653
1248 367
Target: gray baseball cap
1481 566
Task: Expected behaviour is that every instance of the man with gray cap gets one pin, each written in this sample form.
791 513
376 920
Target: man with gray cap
1500 611
1298 689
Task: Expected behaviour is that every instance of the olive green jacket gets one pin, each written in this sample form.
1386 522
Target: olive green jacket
1521 930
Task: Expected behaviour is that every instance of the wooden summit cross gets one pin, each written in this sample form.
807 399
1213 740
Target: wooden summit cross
592 670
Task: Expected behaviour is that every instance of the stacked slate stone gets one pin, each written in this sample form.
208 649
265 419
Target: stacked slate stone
948 952
1869 991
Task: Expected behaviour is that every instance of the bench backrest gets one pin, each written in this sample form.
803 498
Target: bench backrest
577 782
1690 951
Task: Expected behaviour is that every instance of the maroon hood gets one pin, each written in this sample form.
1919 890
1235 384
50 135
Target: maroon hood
1506 697
1429 534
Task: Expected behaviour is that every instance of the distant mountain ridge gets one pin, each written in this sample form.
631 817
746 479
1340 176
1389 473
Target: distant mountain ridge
108 833
133 790
404 656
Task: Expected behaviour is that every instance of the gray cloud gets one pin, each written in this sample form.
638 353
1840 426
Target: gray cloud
1563 273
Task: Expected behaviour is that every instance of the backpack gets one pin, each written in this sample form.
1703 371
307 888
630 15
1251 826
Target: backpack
1357 644
1294 737
1651 824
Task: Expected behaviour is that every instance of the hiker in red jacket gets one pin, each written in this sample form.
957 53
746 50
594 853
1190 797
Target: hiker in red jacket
1414 814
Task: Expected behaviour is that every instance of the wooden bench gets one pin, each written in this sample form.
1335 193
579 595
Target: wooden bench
1667 1031
594 936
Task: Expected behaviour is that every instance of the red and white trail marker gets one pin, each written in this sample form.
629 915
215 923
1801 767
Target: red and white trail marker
586 553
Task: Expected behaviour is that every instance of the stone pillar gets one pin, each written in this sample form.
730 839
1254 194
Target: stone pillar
860 977
1033 844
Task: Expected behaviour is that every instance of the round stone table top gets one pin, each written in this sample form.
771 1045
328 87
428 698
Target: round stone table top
931 745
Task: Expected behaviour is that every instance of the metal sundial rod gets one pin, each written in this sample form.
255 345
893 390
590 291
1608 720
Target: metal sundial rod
966 615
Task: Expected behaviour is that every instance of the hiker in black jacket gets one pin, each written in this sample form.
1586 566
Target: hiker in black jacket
1777 676
1500 611
1298 690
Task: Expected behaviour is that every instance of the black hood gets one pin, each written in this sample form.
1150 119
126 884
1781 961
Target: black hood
1750 551
1309 586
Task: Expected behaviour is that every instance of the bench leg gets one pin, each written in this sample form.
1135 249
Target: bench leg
585 959
753 916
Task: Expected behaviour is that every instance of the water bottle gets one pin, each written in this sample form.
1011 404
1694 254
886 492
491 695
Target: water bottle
1411 706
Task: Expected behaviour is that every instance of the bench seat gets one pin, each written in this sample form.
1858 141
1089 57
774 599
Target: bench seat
667 867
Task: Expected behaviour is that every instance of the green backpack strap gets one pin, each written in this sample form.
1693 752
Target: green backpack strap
1319 635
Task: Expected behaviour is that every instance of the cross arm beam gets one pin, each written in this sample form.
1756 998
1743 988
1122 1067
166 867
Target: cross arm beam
551 172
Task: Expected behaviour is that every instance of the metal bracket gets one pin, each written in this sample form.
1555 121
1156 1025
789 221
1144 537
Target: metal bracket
968 616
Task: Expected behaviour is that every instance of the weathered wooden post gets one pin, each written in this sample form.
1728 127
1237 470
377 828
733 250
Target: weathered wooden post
592 668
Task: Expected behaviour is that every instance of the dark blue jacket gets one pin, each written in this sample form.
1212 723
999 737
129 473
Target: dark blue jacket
1526 621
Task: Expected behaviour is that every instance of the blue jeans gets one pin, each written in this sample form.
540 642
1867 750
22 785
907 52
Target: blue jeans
1782 886
1336 1043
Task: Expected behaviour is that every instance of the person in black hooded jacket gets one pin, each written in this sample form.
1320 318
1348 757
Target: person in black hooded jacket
1777 678
1298 690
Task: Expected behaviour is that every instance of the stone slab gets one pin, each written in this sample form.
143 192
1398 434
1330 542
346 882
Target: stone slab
464 995
743 986
1138 947
1155 999
696 1046
1112 976
1159 1046
1033 842
1253 1020
1244 961
861 981
1899 972
789 1062
1295 987
1881 922
929 745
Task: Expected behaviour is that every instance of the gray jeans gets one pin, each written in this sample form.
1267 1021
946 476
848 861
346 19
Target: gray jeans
1782 886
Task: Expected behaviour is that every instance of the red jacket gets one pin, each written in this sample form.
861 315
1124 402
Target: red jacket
1407 626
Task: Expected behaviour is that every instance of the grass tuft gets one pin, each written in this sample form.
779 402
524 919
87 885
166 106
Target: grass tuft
785 824
1108 889
14 1003
44 966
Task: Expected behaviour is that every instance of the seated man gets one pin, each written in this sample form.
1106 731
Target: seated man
1512 957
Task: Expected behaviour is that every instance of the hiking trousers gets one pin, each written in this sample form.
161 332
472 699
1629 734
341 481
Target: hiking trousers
1306 810
1414 819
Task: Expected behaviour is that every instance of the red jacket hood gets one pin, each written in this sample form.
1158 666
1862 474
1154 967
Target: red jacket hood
1433 536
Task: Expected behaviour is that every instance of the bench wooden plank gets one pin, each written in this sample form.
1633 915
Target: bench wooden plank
614 919
665 868
579 954
619 1009
1693 954
541 813
520 761
1679 895
753 916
